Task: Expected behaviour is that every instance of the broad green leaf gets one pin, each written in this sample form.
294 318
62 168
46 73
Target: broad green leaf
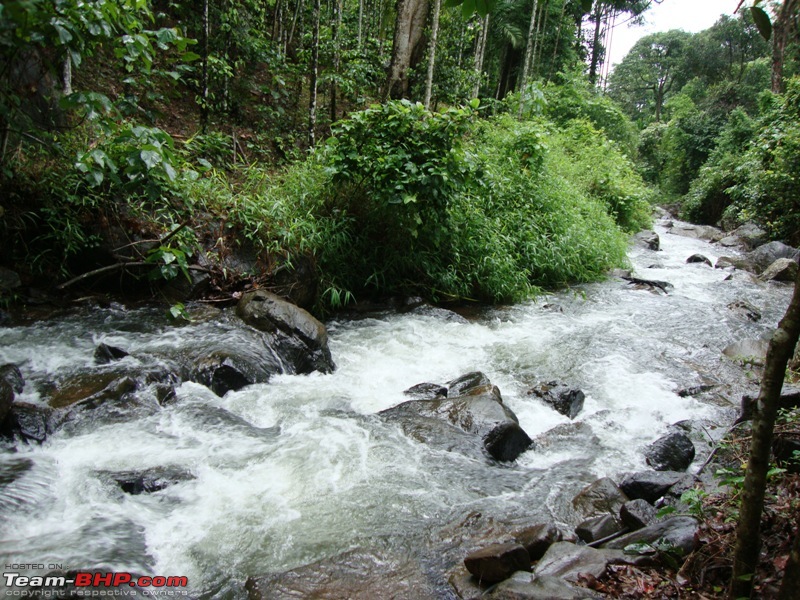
150 157
762 21
586 5
467 8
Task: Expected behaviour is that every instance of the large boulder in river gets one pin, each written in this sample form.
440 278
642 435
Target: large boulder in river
763 256
698 232
677 533
751 235
6 399
564 399
783 269
672 452
652 485
647 239
599 498
11 374
299 337
478 411
497 562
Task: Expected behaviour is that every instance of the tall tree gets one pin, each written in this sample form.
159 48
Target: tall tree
312 103
408 31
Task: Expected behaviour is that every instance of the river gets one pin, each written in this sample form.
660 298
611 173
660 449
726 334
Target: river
301 468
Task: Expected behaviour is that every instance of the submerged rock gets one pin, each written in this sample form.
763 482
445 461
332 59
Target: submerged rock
222 372
564 399
105 354
746 310
426 391
28 422
150 480
300 338
11 374
672 452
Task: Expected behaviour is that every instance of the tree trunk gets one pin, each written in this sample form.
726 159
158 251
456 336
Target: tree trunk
528 62
312 88
204 83
783 29
598 21
791 574
558 40
437 7
66 75
360 21
479 54
781 348
408 30
337 54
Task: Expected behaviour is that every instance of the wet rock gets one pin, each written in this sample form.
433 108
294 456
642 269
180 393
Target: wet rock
569 562
695 390
222 372
746 310
426 310
355 575
482 415
637 514
6 399
783 269
150 480
616 273
750 234
651 485
538 538
786 451
298 281
789 399
743 264
91 389
597 528
567 436
105 354
426 391
647 239
730 241
28 422
12 469
766 254
698 232
649 284
598 498
523 586
699 258
672 452
9 280
11 374
465 586
299 337
466 385
677 533
565 400
753 351
183 289
497 562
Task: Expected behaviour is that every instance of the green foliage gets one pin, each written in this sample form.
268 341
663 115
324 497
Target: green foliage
603 173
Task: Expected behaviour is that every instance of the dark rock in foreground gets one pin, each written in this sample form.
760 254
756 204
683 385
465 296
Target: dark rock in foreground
783 269
150 480
599 498
698 258
637 514
536 539
523 586
672 452
763 256
647 239
598 528
677 533
497 562
652 485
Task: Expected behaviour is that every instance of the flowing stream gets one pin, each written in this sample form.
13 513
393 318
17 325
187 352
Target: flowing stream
302 468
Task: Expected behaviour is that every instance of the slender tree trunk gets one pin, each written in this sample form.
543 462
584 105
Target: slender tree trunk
783 29
295 18
204 91
437 7
537 48
360 21
748 544
479 55
526 66
791 574
66 76
337 54
598 21
312 103
558 40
